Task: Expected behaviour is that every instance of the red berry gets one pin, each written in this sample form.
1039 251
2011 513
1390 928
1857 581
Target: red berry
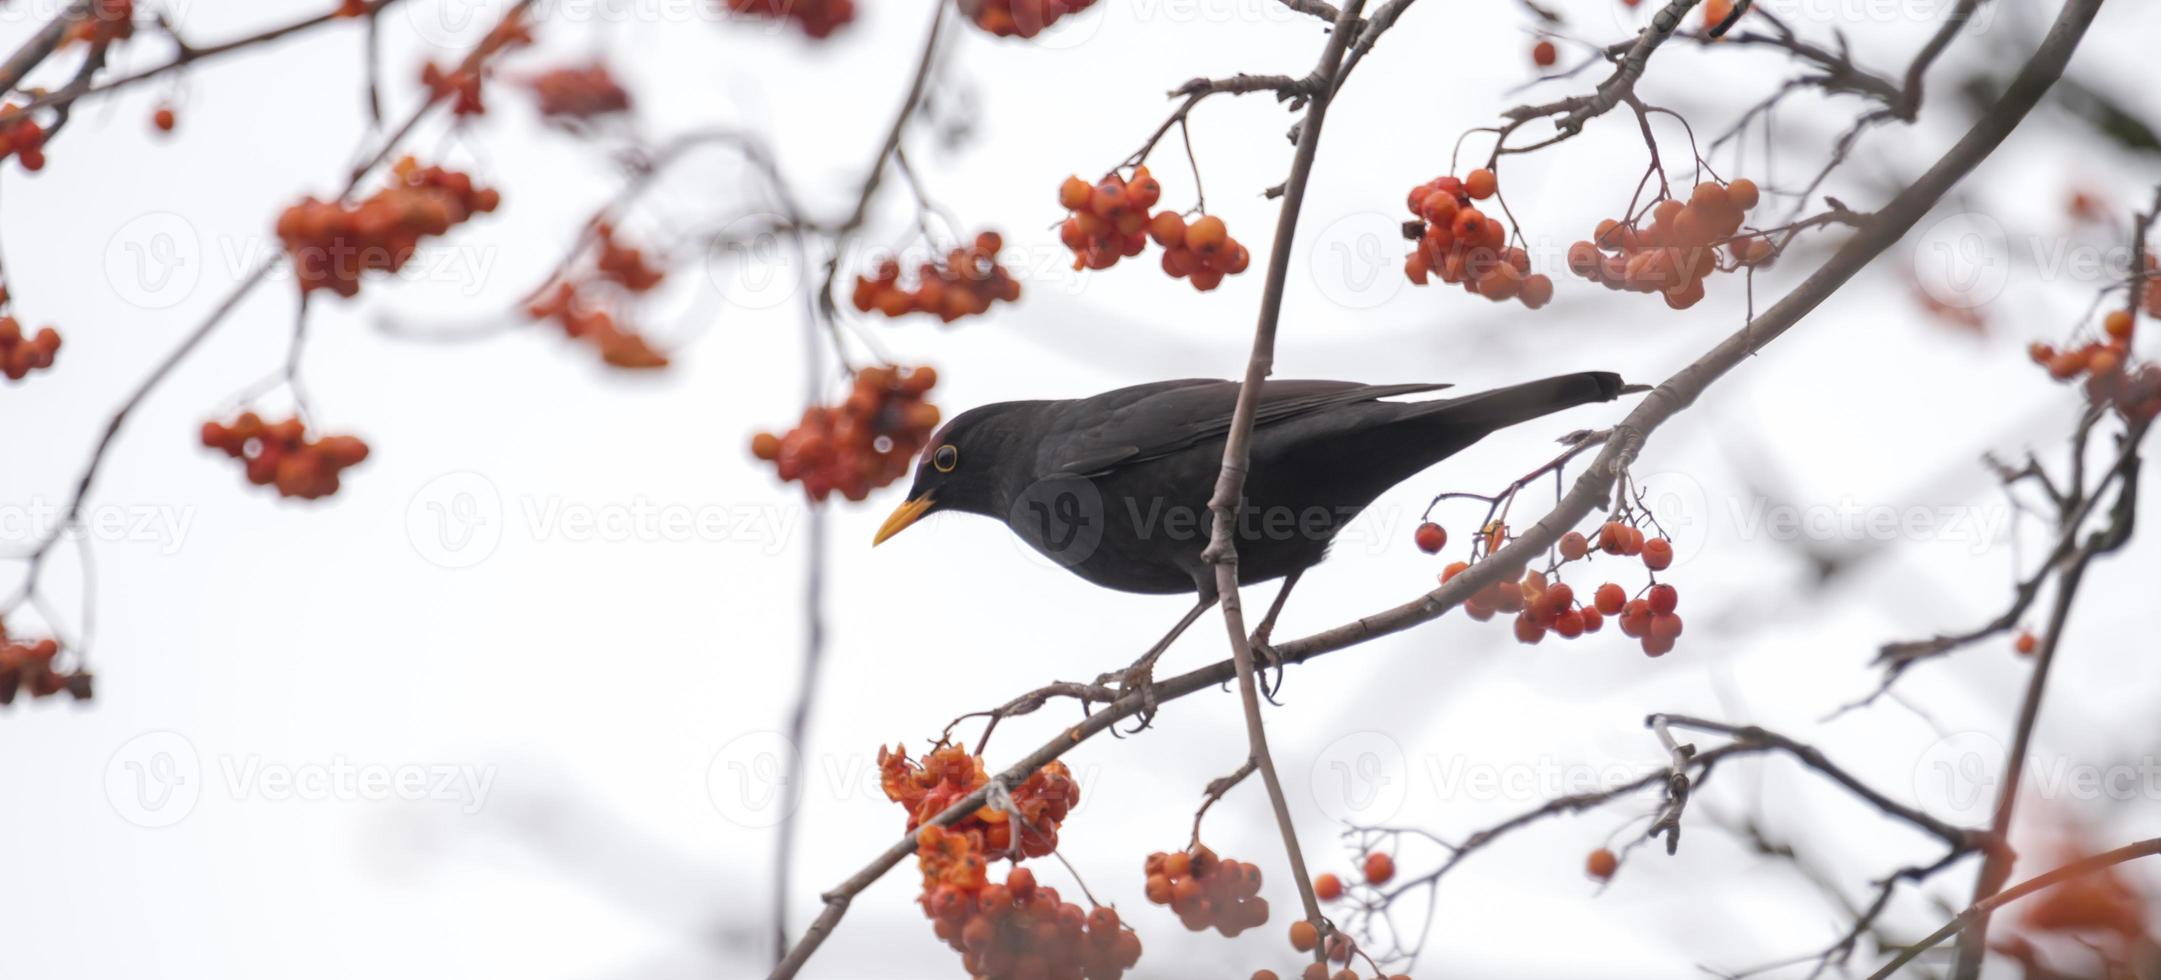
1602 864
1657 554
1379 868
1328 887
1664 599
1431 537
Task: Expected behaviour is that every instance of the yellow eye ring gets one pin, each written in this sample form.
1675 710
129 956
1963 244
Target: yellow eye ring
945 459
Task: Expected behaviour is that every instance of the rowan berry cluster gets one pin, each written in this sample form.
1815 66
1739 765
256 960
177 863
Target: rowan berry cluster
1462 245
1018 930
1679 248
2112 380
1207 892
619 345
281 454
1110 221
861 444
19 354
27 665
333 243
1020 18
572 304
21 137
1543 606
817 18
966 283
1027 827
460 88
580 94
105 22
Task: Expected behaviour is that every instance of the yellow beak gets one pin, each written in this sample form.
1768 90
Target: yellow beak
903 515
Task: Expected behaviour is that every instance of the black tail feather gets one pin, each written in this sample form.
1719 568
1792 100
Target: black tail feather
1502 407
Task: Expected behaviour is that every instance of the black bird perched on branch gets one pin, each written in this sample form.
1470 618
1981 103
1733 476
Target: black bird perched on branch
1115 488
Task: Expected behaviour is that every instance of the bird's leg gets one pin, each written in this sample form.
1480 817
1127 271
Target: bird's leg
1141 675
1263 654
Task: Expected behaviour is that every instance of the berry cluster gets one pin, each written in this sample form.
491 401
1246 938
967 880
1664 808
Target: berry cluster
1110 221
948 774
461 88
966 283
281 454
1463 245
1543 606
817 18
1207 892
861 444
1679 248
21 137
2151 298
2111 379
620 346
1020 18
27 665
1018 930
578 94
332 243
107 21
20 355
571 303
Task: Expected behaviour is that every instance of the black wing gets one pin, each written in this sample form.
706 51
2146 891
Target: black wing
1091 436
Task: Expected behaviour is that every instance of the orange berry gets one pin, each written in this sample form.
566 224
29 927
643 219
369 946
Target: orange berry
1544 54
1742 193
2026 643
1074 194
1168 229
1379 868
1610 598
1663 599
1431 537
1206 234
1328 887
1574 546
163 119
1657 554
1537 290
1304 936
2118 323
1602 864
1480 184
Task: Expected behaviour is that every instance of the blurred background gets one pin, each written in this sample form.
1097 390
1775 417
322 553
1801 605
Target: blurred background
513 702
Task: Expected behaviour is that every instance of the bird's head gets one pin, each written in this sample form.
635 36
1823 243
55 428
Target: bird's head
966 465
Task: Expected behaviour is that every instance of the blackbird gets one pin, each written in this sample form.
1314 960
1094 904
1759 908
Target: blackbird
1115 487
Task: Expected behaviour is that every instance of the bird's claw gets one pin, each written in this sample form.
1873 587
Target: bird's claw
1138 678
1265 657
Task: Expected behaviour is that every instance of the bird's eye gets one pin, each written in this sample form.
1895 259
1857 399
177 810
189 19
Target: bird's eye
945 459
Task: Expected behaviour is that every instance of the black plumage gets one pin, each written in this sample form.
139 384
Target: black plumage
1115 487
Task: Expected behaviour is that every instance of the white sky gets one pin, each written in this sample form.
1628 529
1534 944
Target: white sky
595 683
